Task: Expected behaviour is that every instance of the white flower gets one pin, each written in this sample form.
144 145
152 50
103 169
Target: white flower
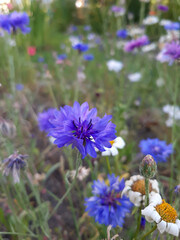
82 173
136 32
114 65
172 111
160 82
164 22
163 214
149 47
150 20
116 143
135 189
134 77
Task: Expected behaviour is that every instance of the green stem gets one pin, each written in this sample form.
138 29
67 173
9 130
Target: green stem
78 162
138 223
108 165
142 12
148 233
147 191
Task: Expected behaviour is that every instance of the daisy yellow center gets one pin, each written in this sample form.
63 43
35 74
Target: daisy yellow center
112 142
139 186
167 212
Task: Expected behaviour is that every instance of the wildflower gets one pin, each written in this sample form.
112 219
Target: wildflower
160 82
31 50
107 206
117 143
88 57
13 164
158 149
5 23
149 47
44 119
19 87
20 21
172 50
143 223
87 28
173 114
135 189
81 47
7 128
177 189
114 65
61 57
118 11
162 8
81 127
148 167
40 59
150 20
136 43
163 214
134 77
172 26
83 172
123 33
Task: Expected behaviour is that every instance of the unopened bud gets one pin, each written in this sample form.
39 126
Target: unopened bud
148 167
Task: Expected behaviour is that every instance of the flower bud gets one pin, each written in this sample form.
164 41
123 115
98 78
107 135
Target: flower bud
148 167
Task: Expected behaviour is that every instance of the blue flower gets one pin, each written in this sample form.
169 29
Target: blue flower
172 26
88 57
143 223
156 148
40 59
81 127
44 119
107 206
5 23
13 164
123 33
21 21
19 87
87 28
177 189
81 47
61 57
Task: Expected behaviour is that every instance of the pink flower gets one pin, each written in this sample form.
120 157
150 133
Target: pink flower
31 50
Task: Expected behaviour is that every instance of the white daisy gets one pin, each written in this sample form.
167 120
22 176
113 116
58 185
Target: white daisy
163 214
135 189
134 77
149 20
116 143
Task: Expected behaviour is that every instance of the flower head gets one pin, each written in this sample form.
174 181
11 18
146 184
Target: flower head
13 164
117 143
107 206
150 20
44 119
172 26
162 8
134 77
135 189
20 20
158 149
118 11
5 23
31 50
114 65
177 189
88 57
148 167
81 47
61 57
136 43
81 127
163 214
122 33
172 50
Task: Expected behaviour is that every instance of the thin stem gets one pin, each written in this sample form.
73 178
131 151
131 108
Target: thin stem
148 233
138 223
147 190
78 161
142 12
108 165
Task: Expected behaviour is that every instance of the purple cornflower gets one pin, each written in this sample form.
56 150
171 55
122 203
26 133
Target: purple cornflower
81 47
88 57
119 11
107 206
81 127
19 87
136 43
13 164
122 33
162 8
158 149
21 21
172 50
5 23
44 119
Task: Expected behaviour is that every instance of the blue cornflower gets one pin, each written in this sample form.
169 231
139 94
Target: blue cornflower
87 28
81 47
61 57
40 59
122 33
158 149
88 57
5 23
172 26
13 164
143 223
21 21
19 87
44 119
81 127
107 206
177 189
